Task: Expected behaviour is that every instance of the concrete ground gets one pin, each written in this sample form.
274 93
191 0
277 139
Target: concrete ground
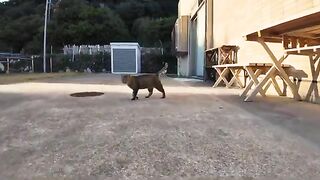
197 131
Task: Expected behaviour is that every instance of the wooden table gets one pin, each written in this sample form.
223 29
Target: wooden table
299 36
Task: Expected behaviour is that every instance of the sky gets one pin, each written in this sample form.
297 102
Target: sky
3 0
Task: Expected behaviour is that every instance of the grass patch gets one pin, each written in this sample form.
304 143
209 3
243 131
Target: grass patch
27 77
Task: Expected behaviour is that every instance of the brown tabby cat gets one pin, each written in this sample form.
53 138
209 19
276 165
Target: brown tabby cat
145 81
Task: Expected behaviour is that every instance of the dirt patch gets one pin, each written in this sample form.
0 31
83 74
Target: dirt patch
27 77
87 94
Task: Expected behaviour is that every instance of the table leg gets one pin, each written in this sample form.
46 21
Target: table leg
267 86
235 78
276 85
282 73
222 75
254 78
261 84
315 71
251 82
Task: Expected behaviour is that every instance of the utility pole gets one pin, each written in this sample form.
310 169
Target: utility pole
49 10
49 19
51 60
45 37
161 46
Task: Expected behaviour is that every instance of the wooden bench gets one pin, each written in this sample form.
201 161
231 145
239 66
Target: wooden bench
223 71
235 69
226 54
251 70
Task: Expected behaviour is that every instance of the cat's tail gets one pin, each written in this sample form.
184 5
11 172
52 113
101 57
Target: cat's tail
163 70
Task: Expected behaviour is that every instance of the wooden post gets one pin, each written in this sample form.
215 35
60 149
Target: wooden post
51 60
8 66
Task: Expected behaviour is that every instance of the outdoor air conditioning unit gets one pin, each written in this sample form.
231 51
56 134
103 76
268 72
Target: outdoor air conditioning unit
125 58
181 35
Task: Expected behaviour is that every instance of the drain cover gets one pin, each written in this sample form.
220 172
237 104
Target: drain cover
86 94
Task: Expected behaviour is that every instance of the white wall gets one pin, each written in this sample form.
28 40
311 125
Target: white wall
235 18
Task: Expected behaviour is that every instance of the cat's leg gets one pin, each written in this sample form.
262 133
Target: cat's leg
134 94
150 92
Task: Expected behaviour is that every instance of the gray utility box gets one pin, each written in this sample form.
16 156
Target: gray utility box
125 58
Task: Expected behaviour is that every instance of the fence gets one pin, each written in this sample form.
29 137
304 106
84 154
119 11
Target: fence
97 49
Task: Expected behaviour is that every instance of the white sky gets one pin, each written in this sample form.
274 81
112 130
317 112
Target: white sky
3 0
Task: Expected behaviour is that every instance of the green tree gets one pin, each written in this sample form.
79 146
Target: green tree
130 10
19 22
140 30
150 31
17 33
85 22
75 22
